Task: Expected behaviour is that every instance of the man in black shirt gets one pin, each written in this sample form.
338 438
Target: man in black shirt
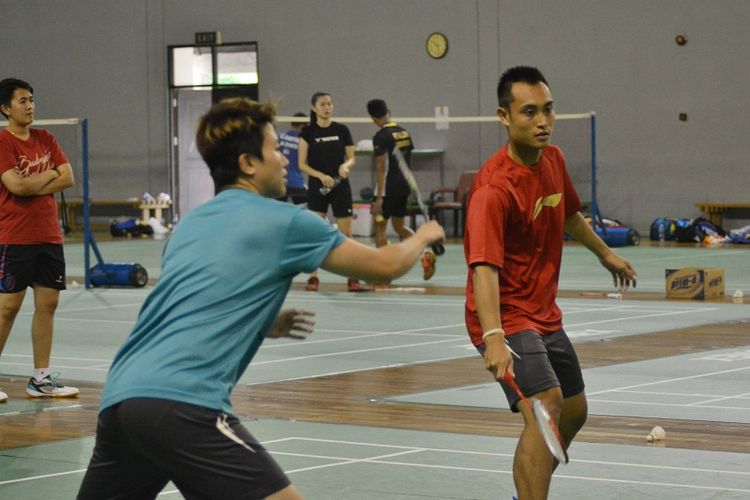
392 190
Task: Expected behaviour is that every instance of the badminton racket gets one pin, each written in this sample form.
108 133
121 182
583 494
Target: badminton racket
438 248
544 422
336 181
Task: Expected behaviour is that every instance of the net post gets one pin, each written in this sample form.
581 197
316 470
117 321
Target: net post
86 202
595 217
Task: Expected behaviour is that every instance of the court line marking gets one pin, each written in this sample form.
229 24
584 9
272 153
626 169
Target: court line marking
689 394
642 316
666 381
342 461
367 335
508 455
353 351
38 410
55 358
42 476
356 370
62 310
714 400
675 405
335 464
711 255
414 449
667 312
65 367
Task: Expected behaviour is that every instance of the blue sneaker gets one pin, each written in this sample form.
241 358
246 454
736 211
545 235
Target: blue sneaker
49 387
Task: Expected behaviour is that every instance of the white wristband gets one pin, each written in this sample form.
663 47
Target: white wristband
492 332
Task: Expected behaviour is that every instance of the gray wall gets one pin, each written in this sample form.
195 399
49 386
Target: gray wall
106 60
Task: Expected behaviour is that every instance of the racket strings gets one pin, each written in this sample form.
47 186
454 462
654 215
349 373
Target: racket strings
549 431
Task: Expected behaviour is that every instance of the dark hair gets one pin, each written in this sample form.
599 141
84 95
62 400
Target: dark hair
377 108
313 101
8 87
301 122
231 128
525 74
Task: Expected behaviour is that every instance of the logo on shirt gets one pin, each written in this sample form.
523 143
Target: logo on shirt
26 166
329 138
546 201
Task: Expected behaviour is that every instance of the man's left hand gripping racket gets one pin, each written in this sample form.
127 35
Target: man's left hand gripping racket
544 422
438 248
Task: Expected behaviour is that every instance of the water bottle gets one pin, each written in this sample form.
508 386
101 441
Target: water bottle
661 231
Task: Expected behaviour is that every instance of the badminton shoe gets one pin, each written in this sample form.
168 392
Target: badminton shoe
355 286
49 387
3 396
312 284
428 265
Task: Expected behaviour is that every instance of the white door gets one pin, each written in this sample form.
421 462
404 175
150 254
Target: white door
193 181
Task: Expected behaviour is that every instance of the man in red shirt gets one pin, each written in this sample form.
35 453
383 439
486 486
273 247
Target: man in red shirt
520 205
32 168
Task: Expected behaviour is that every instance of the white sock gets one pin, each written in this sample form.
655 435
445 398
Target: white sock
40 373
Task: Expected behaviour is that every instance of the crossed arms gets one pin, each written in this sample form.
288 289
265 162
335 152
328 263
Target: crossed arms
47 182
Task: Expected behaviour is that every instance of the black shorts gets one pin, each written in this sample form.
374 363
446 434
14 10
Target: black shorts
547 361
340 199
143 443
22 266
298 196
394 206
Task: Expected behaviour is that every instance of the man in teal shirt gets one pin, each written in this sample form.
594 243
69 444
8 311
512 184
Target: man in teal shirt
166 412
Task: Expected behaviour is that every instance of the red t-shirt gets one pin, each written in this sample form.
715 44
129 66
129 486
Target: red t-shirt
29 220
514 222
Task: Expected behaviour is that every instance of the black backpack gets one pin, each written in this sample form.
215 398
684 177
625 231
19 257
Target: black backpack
664 227
696 230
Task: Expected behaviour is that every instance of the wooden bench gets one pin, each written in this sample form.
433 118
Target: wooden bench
111 208
716 211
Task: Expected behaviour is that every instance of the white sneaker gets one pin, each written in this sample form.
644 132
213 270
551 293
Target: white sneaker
49 387
157 226
3 396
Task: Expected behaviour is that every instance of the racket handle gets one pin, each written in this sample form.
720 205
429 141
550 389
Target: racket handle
438 248
336 181
511 381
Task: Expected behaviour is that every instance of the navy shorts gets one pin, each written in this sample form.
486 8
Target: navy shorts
22 266
143 443
339 199
298 196
547 361
394 206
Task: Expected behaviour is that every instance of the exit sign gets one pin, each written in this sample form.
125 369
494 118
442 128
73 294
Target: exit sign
208 38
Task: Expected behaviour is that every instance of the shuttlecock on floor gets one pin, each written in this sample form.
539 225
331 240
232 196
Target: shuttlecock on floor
738 296
656 434
74 284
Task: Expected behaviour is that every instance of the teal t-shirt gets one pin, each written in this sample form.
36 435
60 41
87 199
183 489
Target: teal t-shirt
226 271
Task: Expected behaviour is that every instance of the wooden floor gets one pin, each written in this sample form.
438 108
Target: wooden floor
359 398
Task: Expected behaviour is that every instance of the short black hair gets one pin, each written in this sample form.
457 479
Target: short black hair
377 108
525 74
301 122
231 128
8 87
